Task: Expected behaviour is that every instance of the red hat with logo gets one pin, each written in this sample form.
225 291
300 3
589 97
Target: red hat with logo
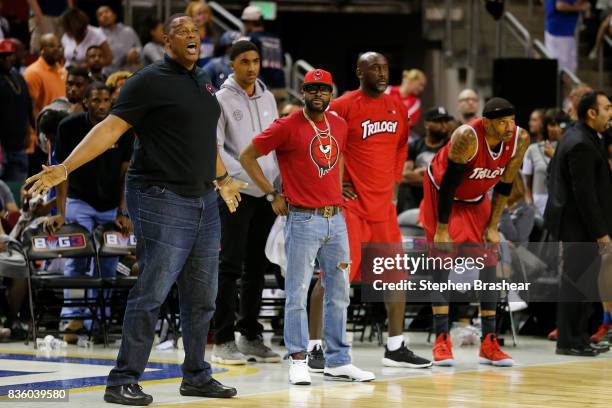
318 76
7 46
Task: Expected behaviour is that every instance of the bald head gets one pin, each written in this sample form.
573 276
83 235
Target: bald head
468 93
50 48
373 73
48 39
468 104
575 95
368 58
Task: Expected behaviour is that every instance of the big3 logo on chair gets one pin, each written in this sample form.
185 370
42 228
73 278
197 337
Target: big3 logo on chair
55 242
115 239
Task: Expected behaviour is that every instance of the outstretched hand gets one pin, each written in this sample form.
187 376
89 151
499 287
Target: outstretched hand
49 177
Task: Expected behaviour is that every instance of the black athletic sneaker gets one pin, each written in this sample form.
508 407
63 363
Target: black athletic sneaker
402 357
316 360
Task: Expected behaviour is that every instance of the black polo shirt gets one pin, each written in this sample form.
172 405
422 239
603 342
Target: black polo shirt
98 181
174 114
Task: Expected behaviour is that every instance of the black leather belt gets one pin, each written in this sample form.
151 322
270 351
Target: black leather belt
327 211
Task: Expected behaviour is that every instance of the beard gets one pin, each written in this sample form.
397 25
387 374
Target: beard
376 87
317 109
437 136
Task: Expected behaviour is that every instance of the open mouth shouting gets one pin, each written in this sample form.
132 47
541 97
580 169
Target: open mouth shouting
192 48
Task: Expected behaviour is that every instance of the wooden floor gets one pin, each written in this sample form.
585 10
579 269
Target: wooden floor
559 385
540 379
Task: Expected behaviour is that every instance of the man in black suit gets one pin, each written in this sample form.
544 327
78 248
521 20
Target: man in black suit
579 211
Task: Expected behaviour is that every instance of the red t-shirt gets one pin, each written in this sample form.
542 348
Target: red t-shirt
308 164
376 150
411 102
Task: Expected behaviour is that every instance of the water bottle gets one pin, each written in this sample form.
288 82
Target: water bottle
57 344
464 335
83 341
41 345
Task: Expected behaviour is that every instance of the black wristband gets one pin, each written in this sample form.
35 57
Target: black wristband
451 179
222 177
503 188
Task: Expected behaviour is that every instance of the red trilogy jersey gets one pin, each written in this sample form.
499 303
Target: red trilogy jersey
375 152
483 170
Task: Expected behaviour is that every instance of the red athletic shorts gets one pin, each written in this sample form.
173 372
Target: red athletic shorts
467 221
361 231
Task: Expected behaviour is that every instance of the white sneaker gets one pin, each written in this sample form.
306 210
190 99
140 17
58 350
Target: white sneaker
347 372
298 372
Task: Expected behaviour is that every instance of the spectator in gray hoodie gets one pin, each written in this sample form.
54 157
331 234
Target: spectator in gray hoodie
247 108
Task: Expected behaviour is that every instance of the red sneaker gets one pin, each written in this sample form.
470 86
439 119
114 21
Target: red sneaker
552 336
599 334
442 351
490 353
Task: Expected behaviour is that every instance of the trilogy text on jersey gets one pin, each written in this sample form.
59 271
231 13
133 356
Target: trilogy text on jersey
480 173
381 126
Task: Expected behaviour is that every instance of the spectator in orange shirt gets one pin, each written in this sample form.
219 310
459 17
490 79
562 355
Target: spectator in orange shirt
46 78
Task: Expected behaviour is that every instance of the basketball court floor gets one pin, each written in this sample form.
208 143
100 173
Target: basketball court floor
539 379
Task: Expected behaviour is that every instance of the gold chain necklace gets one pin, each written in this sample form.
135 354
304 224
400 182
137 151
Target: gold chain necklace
321 134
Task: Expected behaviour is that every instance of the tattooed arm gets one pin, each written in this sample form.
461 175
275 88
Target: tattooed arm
462 150
499 200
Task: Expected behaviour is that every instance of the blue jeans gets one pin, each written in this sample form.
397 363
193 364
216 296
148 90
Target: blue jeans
309 237
177 241
78 211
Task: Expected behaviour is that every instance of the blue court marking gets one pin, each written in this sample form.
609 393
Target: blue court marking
7 373
160 371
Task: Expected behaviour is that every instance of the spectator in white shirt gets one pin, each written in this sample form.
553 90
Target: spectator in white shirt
123 41
79 36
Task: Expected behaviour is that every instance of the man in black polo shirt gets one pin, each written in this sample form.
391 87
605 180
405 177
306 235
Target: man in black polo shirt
94 194
172 203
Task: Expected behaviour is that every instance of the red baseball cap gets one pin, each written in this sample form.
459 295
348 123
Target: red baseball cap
7 46
318 76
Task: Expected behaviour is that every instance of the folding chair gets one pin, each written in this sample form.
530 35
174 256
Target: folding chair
273 298
69 241
111 243
13 265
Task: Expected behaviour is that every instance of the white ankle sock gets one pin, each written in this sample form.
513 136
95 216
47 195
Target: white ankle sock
395 342
313 343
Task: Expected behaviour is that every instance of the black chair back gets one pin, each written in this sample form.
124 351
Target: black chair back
69 241
111 242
